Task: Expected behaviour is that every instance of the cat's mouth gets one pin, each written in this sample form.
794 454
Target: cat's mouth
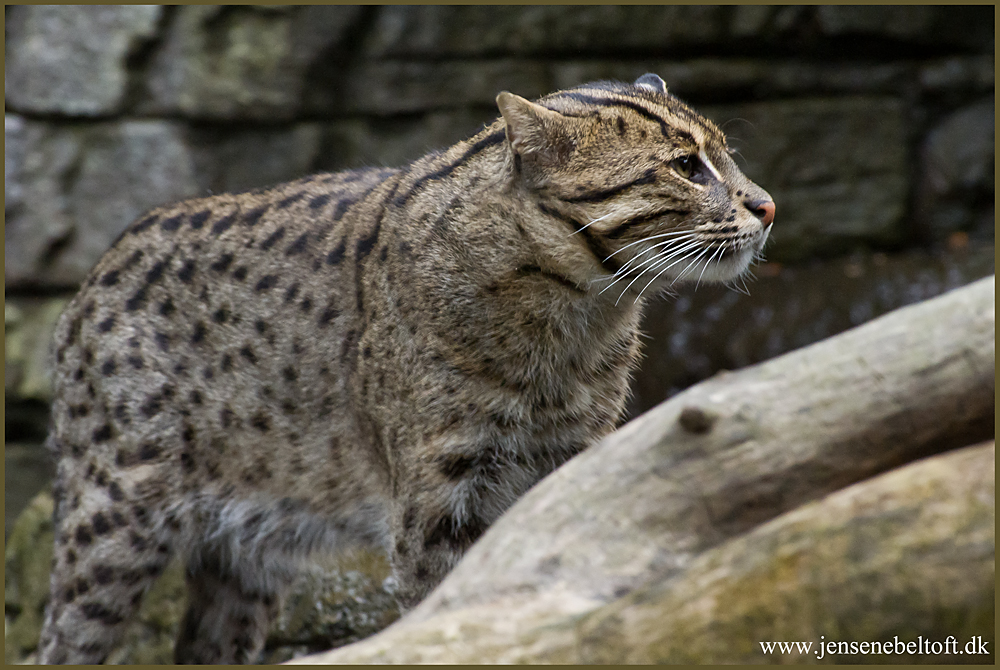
754 246
665 260
735 259
685 259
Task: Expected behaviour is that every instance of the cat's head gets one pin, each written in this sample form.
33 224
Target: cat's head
641 180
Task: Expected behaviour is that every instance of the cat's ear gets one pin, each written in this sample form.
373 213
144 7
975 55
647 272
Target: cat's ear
534 131
652 82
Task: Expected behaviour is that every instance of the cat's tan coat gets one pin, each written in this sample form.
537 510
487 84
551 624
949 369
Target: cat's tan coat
388 355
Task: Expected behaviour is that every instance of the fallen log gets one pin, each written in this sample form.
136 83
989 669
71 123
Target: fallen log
907 556
899 568
709 465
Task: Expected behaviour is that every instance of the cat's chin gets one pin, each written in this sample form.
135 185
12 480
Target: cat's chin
724 270
705 270
729 267
716 271
655 282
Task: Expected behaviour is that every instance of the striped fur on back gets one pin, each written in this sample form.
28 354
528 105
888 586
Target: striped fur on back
389 356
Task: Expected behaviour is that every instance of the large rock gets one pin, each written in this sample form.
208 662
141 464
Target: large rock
243 158
27 561
905 557
227 62
396 87
902 557
73 59
899 21
959 26
14 149
335 602
79 186
28 469
448 31
353 143
406 86
38 160
956 182
705 79
973 73
836 168
28 326
456 31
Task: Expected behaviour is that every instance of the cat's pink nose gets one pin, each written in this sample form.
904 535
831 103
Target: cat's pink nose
763 210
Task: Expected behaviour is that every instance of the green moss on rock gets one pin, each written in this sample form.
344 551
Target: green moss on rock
27 558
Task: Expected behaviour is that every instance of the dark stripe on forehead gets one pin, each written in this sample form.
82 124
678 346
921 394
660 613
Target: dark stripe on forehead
665 127
676 106
619 102
493 138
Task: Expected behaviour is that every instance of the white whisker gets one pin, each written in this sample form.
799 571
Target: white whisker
590 224
628 269
653 237
707 263
690 265
744 290
651 263
680 241
660 273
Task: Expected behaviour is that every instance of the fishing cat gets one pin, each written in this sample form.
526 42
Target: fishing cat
384 355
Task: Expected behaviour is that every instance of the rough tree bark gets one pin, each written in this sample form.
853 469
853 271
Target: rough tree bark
631 519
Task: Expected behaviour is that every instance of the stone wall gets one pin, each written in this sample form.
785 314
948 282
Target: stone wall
872 127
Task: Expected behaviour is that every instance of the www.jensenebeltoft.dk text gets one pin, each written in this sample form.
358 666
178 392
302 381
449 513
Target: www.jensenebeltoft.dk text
895 646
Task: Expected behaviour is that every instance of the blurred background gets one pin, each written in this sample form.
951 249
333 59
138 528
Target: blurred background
872 128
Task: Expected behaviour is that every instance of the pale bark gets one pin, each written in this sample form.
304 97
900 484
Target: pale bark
645 505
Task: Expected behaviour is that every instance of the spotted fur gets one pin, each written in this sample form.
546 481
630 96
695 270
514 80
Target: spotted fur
389 356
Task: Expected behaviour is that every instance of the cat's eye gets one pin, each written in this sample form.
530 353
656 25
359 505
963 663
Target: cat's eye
685 166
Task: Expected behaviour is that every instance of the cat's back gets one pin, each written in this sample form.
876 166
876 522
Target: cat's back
209 325
229 242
